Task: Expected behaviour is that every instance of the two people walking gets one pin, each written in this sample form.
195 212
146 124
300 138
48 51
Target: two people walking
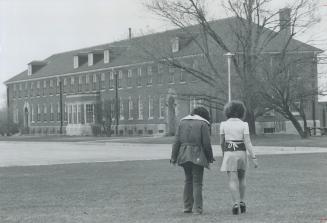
192 150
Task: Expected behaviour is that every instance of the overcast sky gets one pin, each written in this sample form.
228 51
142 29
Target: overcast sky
35 29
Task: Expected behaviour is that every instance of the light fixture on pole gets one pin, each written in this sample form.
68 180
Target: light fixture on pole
229 57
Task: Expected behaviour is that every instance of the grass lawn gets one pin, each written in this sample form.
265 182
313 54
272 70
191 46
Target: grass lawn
285 188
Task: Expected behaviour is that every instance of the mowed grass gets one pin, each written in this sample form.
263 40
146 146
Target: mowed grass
285 188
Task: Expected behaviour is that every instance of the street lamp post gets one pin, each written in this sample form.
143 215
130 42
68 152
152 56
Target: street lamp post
229 57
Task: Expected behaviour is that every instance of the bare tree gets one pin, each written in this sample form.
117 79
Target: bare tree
252 33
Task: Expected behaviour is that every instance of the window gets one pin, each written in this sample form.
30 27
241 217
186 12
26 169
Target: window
80 82
294 108
140 105
65 85
160 73
111 80
151 108
58 85
171 77
94 81
79 112
70 116
149 76
75 62
175 45
130 108
44 87
87 82
129 78
120 79
58 112
65 116
182 76
74 114
72 81
15 115
139 77
106 56
51 87
103 80
162 107
51 113
38 88
32 114
20 90
26 89
38 113
192 103
89 113
45 111
121 109
32 88
90 59
195 67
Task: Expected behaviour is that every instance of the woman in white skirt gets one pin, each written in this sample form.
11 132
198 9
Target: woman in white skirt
235 143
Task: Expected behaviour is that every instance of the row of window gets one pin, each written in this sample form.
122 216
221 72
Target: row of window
85 113
92 82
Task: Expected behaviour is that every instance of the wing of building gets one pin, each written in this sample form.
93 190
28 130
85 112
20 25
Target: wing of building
127 87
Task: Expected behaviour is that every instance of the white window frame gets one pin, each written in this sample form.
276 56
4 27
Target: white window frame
120 79
162 107
175 45
111 80
75 62
121 109
90 59
149 76
140 108
130 108
151 107
106 56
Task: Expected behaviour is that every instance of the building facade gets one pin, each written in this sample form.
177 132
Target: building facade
118 86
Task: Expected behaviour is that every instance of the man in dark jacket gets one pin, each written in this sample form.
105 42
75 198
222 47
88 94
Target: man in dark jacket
192 150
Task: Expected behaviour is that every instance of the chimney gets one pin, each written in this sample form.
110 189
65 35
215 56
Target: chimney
285 21
129 33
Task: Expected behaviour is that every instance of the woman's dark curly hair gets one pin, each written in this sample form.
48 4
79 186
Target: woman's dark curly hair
234 109
201 111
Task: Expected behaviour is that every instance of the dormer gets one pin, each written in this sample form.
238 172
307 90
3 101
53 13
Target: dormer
90 59
106 56
34 66
175 44
80 58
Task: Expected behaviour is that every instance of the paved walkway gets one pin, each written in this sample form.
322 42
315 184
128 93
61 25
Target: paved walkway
48 153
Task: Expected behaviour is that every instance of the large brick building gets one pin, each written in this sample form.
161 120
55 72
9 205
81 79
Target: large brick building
75 92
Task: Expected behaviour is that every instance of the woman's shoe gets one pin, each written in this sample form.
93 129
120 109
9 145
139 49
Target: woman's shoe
235 209
242 207
187 211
